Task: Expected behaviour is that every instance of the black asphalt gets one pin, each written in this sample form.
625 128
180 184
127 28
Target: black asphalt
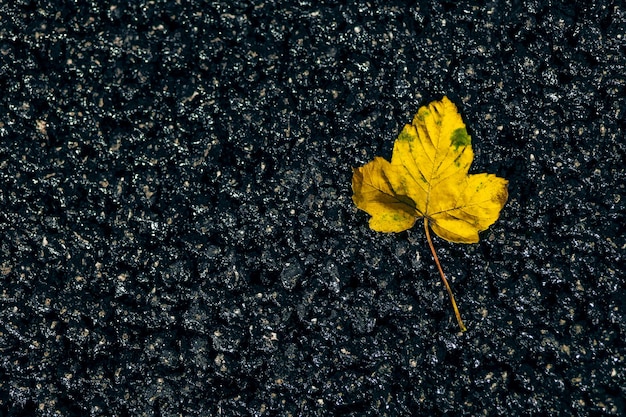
178 233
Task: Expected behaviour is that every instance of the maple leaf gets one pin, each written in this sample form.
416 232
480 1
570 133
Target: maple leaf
428 178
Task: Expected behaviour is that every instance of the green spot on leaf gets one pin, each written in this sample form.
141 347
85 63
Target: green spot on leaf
460 138
405 136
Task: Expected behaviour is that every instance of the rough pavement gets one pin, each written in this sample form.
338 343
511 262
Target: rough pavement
179 236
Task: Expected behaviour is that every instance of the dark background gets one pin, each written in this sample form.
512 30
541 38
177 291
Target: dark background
178 235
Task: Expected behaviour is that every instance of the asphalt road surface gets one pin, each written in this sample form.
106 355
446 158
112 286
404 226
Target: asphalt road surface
179 236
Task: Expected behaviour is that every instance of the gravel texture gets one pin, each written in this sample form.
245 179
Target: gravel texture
179 237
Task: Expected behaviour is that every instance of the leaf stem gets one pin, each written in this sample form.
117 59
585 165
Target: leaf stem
443 277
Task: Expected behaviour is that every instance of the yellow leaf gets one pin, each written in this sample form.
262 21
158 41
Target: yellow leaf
391 212
428 177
